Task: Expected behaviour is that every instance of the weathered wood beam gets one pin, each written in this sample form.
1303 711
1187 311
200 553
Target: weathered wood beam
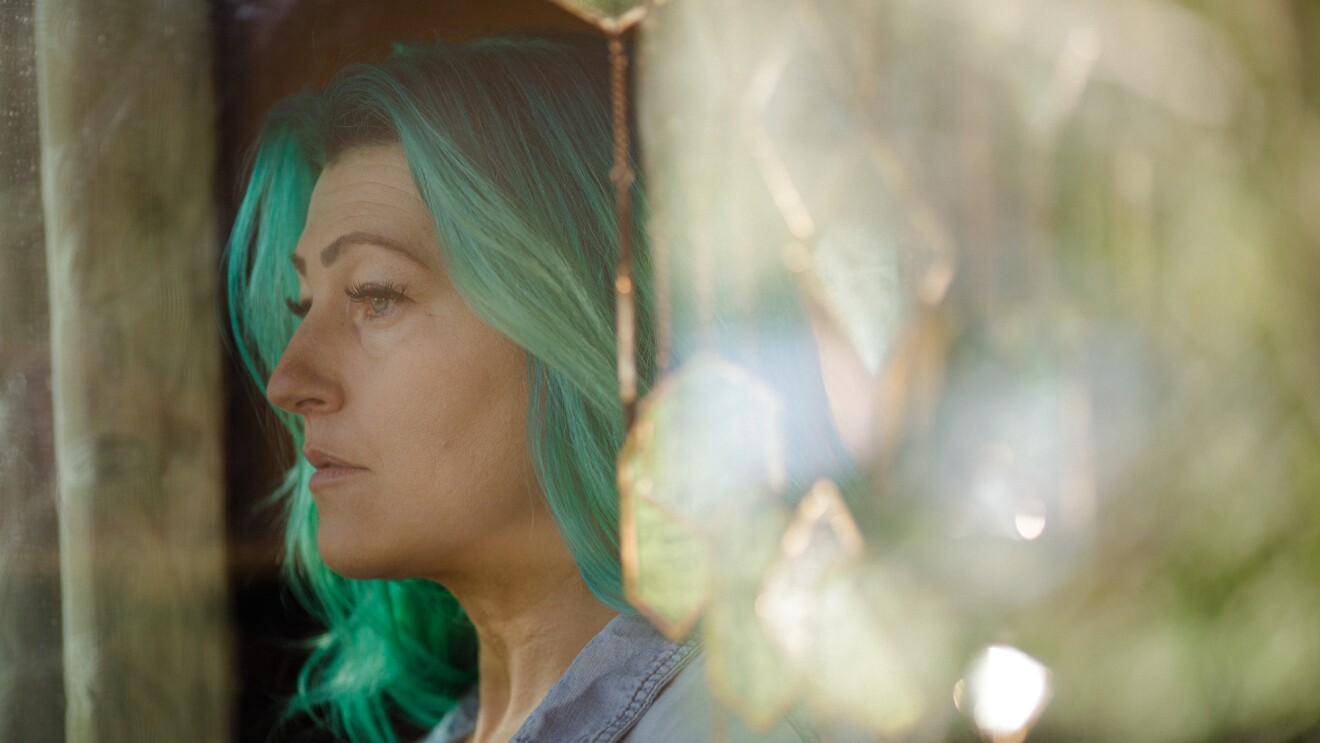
31 678
128 142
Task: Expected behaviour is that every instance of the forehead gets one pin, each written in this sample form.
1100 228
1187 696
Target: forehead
367 189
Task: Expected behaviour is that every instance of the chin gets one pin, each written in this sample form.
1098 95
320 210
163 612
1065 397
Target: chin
355 561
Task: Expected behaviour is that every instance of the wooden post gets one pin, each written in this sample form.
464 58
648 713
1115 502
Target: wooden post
31 681
128 144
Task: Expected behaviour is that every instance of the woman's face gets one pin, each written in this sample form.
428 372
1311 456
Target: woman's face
414 408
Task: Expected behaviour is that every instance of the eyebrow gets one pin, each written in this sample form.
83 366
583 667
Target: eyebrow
330 253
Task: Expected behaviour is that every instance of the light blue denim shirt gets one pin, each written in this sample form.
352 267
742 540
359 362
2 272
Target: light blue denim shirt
628 684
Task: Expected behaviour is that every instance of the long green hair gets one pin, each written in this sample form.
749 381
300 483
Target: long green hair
509 143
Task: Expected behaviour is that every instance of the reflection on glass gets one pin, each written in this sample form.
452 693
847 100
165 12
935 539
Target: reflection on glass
1005 690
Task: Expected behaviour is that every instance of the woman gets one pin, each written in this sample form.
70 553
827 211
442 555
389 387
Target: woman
420 276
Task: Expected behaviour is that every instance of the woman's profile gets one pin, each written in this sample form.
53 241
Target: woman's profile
420 277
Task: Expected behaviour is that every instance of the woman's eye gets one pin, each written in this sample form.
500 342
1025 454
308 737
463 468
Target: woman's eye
299 309
381 299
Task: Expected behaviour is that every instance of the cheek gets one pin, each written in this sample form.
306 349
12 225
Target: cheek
451 431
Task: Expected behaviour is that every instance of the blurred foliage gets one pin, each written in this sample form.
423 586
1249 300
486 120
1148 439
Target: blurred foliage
1100 443
1200 271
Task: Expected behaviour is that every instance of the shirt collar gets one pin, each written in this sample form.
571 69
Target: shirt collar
608 687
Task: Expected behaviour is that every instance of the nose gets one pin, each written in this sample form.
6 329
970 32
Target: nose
303 382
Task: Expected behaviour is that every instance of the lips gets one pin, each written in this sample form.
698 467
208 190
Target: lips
322 459
329 468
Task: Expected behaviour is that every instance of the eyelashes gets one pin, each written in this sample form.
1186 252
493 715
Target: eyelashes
380 300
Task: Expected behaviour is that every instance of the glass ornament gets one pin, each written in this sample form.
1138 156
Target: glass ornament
821 539
706 451
610 16
748 673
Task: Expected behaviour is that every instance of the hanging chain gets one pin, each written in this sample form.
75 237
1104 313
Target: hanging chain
621 175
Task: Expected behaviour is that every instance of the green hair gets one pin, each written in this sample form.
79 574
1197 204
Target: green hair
509 144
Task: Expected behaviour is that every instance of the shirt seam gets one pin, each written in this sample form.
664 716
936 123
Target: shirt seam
654 679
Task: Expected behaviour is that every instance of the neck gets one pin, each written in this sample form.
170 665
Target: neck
530 626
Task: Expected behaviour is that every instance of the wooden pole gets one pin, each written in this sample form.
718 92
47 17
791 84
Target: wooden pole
128 144
31 678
